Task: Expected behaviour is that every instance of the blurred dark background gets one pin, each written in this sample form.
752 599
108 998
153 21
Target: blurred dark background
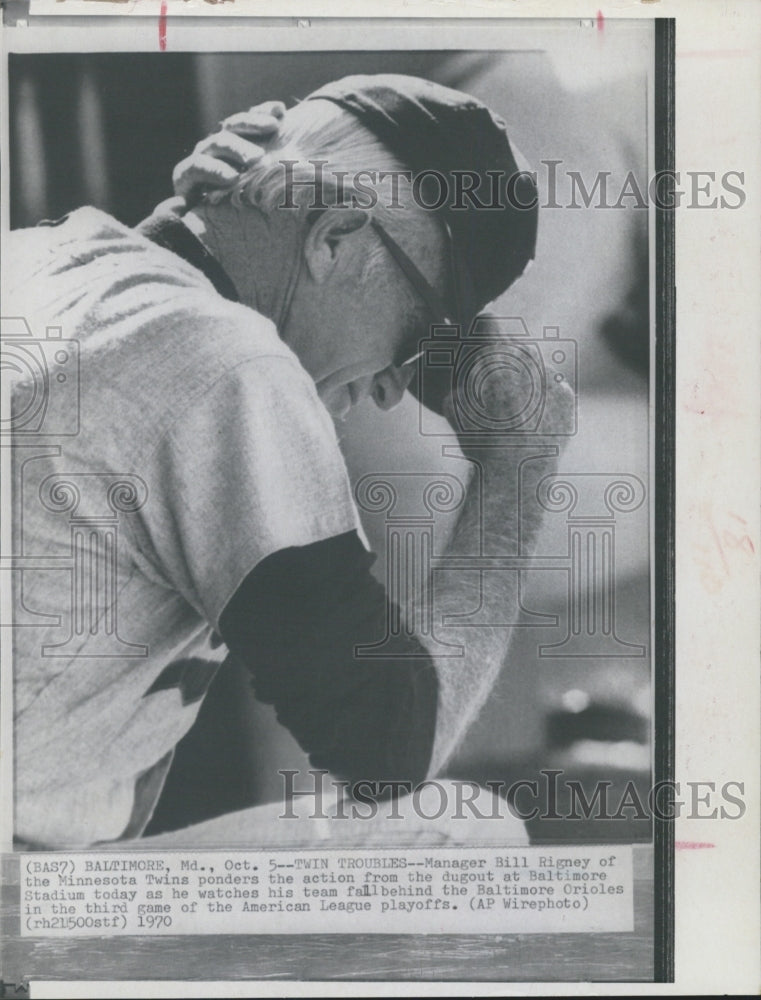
107 129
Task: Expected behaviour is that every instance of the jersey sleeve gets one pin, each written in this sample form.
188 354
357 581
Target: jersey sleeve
250 467
296 624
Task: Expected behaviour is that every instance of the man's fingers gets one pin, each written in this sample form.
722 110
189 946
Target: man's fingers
228 146
217 160
258 122
199 171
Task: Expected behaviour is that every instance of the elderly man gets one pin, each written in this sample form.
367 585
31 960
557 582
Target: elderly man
214 349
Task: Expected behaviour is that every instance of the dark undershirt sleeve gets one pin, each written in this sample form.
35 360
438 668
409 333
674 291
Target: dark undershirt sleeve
295 622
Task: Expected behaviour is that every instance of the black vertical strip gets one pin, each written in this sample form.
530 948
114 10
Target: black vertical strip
665 442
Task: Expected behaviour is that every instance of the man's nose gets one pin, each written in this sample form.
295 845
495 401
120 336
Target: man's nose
389 385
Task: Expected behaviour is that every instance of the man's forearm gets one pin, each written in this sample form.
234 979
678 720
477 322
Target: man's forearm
491 523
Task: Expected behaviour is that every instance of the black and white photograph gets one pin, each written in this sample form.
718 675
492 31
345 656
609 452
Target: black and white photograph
338 463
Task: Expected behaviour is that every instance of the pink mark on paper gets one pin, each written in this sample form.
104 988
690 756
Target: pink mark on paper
691 845
726 547
162 26
600 20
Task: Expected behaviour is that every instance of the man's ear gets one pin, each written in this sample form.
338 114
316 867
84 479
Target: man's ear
330 239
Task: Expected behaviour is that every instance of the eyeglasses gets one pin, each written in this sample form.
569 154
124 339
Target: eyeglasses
437 309
461 286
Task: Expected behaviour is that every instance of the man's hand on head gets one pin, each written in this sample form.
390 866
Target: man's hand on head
219 159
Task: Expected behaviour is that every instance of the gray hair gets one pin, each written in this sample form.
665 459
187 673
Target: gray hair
321 131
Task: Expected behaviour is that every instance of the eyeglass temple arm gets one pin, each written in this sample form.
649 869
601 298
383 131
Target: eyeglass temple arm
418 280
